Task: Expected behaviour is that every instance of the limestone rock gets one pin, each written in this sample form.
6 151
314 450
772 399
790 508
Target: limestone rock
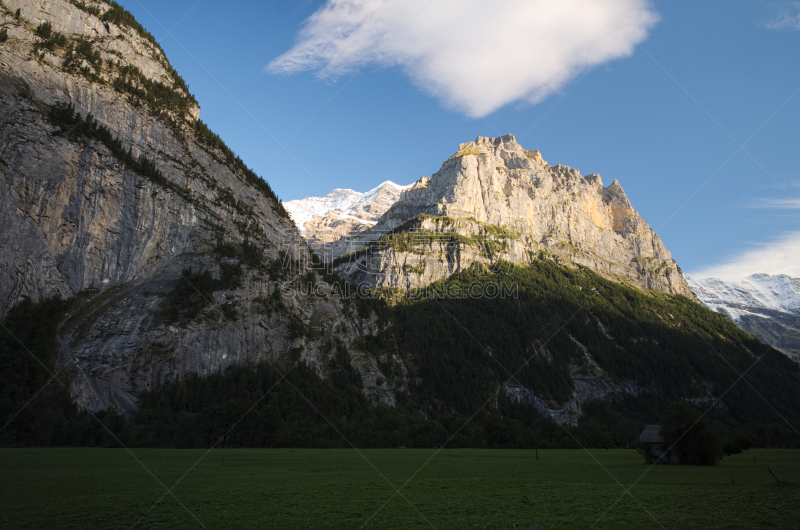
493 190
79 222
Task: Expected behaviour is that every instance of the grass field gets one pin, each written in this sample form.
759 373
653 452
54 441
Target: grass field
460 488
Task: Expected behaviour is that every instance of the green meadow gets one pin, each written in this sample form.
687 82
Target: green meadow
458 488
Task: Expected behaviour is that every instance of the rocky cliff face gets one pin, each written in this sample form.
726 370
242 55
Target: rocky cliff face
492 201
766 306
111 187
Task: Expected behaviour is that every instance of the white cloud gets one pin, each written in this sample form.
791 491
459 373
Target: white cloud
777 204
473 55
788 20
779 257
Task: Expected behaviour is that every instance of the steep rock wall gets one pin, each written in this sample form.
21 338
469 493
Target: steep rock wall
80 222
537 208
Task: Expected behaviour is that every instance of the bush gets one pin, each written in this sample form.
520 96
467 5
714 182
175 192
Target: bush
89 9
118 15
690 435
195 290
230 277
44 30
84 49
247 253
3 35
229 311
50 39
189 296
159 96
736 443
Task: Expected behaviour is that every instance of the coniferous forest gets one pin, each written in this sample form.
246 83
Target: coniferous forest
458 352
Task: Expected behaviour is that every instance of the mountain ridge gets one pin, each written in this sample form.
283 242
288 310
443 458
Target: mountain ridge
343 199
531 208
342 215
767 306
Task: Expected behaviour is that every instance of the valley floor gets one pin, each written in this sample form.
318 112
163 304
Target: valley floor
460 488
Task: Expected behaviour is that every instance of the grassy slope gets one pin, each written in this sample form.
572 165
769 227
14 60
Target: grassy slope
80 488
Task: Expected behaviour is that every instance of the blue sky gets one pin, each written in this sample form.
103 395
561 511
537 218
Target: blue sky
695 111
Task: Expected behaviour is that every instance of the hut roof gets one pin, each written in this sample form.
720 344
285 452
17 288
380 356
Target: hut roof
652 434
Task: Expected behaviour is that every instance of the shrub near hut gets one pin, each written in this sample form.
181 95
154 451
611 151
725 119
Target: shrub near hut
684 437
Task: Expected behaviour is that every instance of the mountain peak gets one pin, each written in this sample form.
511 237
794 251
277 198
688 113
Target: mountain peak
343 211
506 147
505 139
546 211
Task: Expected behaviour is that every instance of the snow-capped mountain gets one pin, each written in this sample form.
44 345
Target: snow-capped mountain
766 306
343 213
759 291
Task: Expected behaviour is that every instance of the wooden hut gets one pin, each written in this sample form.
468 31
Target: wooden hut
655 447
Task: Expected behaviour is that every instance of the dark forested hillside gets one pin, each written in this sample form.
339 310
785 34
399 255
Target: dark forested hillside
457 353
668 347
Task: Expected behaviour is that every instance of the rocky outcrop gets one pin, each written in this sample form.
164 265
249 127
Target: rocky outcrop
493 200
79 221
590 382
